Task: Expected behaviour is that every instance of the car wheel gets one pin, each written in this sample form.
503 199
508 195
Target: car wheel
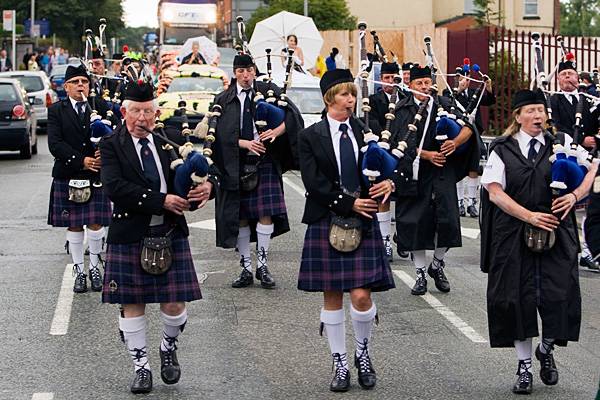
26 150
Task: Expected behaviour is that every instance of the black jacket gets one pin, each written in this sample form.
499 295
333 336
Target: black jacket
69 139
320 173
592 223
125 184
464 98
563 113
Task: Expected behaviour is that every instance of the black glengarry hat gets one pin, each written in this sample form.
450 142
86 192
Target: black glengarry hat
242 61
75 71
407 66
526 97
96 54
136 91
418 72
389 68
333 77
569 64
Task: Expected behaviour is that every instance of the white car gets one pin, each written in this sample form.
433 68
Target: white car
305 92
39 92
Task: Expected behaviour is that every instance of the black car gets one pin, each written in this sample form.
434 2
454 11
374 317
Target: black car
17 119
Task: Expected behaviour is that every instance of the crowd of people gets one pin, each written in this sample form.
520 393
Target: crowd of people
529 233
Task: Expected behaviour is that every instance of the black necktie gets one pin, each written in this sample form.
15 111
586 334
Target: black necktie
80 109
247 123
149 165
574 99
532 152
349 172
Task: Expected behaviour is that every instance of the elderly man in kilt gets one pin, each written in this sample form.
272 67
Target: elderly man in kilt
74 202
330 164
258 213
138 180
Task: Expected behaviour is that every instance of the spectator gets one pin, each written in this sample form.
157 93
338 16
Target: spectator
26 58
45 60
590 87
194 57
298 57
62 57
330 61
5 63
32 64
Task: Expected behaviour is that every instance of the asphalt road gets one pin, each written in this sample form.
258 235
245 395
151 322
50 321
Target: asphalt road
251 343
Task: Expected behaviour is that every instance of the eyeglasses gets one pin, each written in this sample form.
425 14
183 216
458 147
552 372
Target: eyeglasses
79 81
136 113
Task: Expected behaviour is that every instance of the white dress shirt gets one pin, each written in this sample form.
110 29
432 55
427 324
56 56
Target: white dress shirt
569 95
495 169
336 134
242 97
156 219
74 105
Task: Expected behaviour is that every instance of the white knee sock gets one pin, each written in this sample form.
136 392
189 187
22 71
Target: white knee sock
460 190
362 321
438 256
134 332
385 223
472 184
172 327
585 251
76 248
243 245
418 257
335 329
95 243
547 346
263 235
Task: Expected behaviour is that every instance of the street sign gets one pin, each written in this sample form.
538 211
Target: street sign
35 32
7 20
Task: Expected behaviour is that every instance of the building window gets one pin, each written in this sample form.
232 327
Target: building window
530 8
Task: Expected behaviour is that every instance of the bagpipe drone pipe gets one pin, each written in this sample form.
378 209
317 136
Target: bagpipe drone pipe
377 162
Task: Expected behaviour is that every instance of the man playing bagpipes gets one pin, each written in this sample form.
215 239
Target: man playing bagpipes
148 257
101 81
563 112
250 205
74 201
426 207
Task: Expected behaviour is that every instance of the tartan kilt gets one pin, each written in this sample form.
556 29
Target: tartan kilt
126 283
325 269
267 199
65 213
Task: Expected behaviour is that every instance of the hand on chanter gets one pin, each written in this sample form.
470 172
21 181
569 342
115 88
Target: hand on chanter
563 204
365 207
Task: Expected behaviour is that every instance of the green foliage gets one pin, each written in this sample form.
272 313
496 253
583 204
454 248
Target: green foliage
20 30
328 15
70 18
506 73
485 14
580 18
133 37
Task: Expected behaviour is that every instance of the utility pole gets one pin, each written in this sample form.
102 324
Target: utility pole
306 8
32 18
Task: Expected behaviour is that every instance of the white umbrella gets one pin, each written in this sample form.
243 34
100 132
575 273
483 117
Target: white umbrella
207 48
271 33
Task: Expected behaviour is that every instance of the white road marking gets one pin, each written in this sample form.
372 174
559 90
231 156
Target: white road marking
42 396
208 224
437 305
62 313
471 233
295 187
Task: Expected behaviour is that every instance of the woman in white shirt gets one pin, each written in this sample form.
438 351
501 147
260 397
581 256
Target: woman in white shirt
530 243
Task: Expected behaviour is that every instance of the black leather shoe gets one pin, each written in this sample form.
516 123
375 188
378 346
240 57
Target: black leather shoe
262 271
142 381
96 279
245 279
524 383
589 263
367 378
341 379
170 371
461 208
389 251
472 209
80 284
548 371
420 287
441 282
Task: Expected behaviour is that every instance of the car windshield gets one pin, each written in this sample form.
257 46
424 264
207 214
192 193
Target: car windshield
7 93
59 70
196 84
30 83
227 55
308 100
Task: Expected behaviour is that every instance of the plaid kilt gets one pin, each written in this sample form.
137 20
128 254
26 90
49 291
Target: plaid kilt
266 200
126 283
325 269
65 213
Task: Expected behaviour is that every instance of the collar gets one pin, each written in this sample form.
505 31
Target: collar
524 138
334 124
239 88
573 93
74 102
136 140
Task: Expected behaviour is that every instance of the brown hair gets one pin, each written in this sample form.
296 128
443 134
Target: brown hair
329 97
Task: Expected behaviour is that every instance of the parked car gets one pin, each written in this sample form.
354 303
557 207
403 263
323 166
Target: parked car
18 122
57 77
39 91
305 92
227 56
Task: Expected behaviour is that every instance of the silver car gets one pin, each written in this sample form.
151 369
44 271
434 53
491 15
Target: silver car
39 91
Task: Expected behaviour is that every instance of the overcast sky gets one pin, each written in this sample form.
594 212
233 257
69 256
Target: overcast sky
140 12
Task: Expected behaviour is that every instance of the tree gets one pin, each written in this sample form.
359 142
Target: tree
580 18
485 14
328 15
